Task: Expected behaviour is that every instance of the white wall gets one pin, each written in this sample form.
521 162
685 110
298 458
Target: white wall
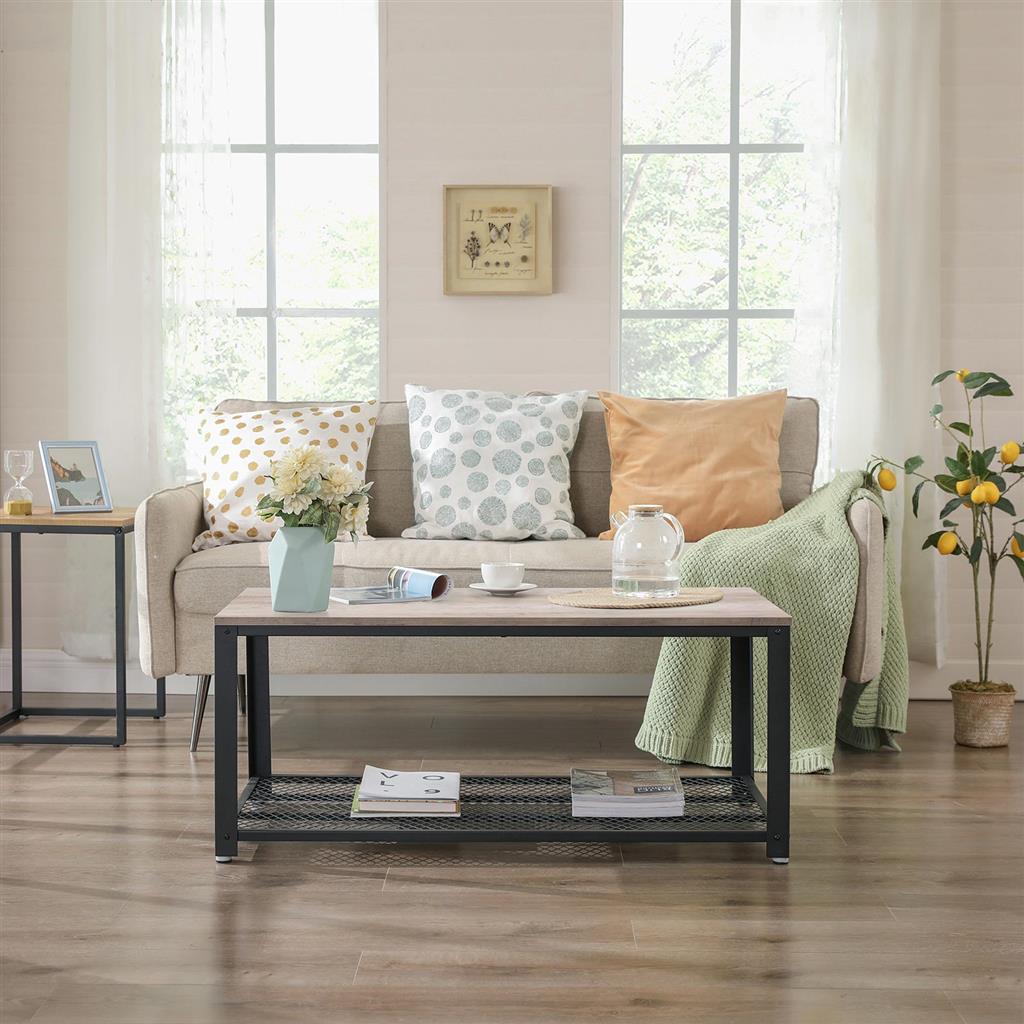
554 121
982 136
545 116
35 42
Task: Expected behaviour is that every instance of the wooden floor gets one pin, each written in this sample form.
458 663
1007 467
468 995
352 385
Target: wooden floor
903 901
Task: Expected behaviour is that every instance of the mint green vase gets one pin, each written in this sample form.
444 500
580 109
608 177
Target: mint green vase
300 569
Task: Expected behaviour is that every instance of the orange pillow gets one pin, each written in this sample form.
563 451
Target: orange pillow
712 464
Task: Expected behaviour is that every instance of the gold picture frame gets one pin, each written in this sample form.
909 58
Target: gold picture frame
497 240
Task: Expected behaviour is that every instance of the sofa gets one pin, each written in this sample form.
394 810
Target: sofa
180 591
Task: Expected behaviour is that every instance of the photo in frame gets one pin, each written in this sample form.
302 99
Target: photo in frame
74 476
497 240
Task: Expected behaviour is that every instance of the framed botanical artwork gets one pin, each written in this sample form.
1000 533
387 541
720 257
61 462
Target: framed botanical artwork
497 240
74 476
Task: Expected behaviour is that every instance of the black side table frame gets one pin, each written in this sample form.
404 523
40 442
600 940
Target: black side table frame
120 712
274 807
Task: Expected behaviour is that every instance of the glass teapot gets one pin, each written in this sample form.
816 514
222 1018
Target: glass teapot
645 552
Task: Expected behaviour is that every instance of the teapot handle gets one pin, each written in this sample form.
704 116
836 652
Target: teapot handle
681 533
617 518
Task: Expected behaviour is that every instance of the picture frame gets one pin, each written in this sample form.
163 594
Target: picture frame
498 240
74 476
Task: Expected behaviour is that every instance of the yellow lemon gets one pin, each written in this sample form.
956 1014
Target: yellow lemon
979 495
1015 549
887 479
960 374
964 487
992 494
1009 453
947 544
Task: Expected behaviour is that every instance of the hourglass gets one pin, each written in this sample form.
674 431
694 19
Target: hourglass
18 500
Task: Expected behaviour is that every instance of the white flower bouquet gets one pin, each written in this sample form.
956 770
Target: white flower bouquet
311 491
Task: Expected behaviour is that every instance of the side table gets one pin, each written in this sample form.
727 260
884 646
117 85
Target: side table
110 524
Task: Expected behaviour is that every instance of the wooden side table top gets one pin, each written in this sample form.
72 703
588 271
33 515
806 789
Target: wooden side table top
42 516
740 606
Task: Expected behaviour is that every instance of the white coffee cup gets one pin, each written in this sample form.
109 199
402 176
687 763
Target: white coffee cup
503 575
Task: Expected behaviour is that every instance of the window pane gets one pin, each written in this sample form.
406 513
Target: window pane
765 348
208 356
246 71
675 72
675 358
786 91
326 71
675 231
327 233
326 360
775 218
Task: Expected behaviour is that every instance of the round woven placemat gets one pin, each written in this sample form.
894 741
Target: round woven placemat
603 597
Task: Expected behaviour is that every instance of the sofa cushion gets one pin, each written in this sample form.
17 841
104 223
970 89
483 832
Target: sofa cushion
492 465
205 581
389 464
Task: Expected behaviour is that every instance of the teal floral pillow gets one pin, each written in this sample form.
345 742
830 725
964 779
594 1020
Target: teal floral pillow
492 466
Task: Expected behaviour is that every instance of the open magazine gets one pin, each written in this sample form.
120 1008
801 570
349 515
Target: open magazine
403 585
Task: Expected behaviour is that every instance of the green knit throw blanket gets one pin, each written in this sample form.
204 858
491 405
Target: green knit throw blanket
806 562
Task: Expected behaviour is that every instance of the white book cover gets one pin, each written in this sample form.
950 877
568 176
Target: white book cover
385 784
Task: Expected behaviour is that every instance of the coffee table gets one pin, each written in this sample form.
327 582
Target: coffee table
720 809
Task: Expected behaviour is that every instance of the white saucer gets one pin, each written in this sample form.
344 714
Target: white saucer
503 591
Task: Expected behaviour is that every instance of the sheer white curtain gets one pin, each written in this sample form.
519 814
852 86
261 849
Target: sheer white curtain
147 98
889 272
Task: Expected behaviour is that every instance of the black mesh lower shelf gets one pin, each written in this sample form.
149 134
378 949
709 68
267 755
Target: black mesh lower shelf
531 807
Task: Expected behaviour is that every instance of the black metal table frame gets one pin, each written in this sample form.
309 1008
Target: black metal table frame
228 802
120 712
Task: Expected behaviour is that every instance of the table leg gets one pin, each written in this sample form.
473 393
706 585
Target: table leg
741 670
257 671
225 658
120 644
161 698
778 745
16 622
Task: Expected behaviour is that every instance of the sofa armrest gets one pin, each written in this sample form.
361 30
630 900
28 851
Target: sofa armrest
864 649
166 524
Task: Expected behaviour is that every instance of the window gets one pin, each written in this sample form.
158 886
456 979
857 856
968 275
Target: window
283 250
728 198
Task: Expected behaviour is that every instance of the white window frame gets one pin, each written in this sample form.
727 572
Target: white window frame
733 313
271 148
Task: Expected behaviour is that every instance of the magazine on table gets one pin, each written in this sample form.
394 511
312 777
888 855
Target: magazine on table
624 794
402 585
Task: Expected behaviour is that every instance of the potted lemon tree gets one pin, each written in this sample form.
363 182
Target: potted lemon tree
979 524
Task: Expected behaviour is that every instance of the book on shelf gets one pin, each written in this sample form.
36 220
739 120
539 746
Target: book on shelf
657 793
402 585
385 792
402 812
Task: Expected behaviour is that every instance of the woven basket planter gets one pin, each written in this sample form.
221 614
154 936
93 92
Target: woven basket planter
982 719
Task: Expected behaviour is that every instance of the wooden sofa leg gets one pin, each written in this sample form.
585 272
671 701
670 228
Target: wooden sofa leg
202 692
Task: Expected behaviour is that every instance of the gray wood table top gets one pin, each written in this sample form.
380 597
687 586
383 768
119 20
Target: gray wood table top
740 606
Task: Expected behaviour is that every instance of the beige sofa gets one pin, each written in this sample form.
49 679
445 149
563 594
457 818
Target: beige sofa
180 590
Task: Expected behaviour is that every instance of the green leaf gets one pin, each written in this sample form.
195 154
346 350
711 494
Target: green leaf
948 522
958 471
963 454
935 410
1013 469
946 482
914 462
312 516
997 480
950 507
1020 537
931 540
975 552
972 380
940 377
964 428
980 461
996 388
1005 505
915 501
1019 562
331 523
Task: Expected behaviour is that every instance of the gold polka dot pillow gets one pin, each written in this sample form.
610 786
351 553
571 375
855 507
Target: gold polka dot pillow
239 448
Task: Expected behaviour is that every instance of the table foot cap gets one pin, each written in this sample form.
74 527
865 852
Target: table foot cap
780 860
223 860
